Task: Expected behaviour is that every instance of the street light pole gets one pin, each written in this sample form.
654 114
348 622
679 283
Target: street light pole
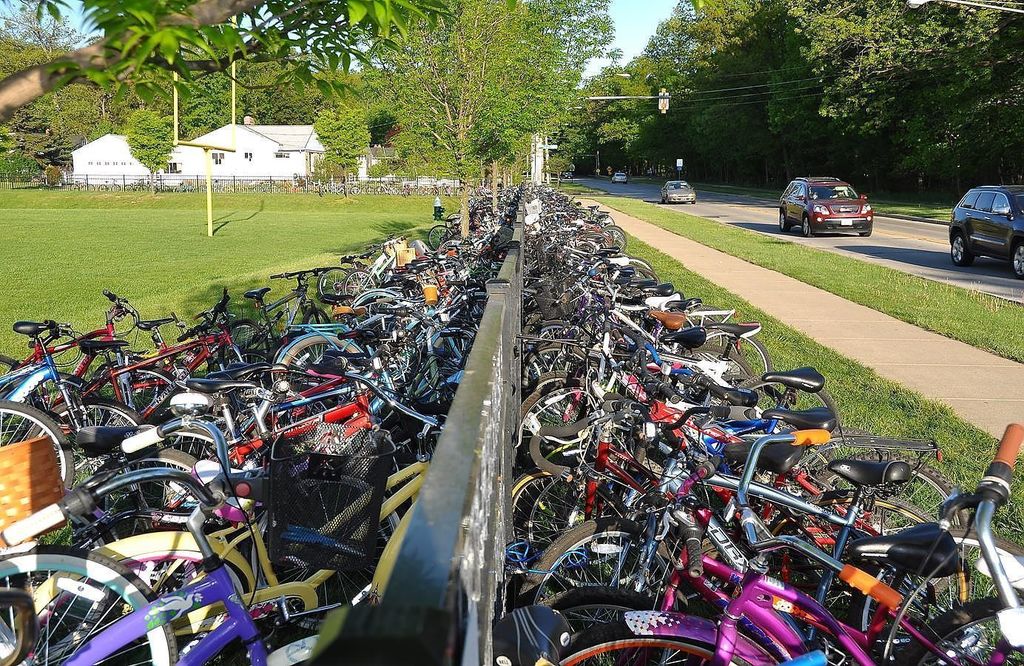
915 4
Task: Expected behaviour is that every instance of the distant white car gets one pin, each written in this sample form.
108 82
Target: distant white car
620 177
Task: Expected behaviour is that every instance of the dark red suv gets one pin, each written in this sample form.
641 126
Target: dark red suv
824 204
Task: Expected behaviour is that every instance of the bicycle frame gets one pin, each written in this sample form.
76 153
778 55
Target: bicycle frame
216 587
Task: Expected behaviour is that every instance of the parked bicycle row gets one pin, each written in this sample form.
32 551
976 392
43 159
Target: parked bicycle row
260 495
681 499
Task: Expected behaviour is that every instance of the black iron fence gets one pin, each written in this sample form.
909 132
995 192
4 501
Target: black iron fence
420 185
448 581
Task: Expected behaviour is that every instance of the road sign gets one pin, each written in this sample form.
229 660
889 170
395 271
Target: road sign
550 146
663 98
679 163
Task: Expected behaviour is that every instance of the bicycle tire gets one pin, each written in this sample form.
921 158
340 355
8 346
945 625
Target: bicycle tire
582 607
331 283
251 339
315 315
102 573
301 353
41 424
948 624
356 282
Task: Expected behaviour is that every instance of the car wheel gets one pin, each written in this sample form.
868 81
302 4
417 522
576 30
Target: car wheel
959 252
1018 260
805 228
663 200
783 222
865 234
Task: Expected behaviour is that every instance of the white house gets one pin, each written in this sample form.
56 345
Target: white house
261 151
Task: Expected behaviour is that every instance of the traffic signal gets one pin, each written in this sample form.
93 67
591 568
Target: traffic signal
663 100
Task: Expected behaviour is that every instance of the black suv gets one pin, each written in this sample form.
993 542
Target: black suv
989 221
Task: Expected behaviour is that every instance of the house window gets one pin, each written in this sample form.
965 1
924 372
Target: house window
173 167
248 156
218 158
281 156
90 163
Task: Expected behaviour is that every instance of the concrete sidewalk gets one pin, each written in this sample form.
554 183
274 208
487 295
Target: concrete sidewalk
982 388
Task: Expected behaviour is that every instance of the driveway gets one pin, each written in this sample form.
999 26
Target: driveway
918 248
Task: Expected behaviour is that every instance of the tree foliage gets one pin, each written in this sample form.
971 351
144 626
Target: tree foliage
146 43
763 90
150 139
345 137
470 89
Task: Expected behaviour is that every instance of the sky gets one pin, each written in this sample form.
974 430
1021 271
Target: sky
635 21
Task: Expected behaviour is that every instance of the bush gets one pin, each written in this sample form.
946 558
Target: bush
53 175
13 164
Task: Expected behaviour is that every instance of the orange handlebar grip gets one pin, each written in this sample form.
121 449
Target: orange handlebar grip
1009 445
871 586
813 437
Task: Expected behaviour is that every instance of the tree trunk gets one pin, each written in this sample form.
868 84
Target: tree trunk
464 210
494 187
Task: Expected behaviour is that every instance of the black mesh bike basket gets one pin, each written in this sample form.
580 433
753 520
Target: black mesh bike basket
326 492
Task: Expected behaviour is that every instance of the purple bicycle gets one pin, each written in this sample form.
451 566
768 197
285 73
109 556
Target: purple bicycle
766 621
147 621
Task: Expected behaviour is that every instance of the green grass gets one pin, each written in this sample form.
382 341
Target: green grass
977 319
906 204
576 189
865 399
61 249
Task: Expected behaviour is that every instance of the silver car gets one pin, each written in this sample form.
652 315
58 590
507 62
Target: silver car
678 191
620 177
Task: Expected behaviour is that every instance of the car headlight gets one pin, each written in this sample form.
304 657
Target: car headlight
821 209
866 209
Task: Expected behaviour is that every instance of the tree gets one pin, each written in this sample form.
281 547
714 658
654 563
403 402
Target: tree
466 91
345 137
145 46
150 139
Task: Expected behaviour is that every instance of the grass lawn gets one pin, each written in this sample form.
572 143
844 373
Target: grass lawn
899 205
977 319
61 249
865 399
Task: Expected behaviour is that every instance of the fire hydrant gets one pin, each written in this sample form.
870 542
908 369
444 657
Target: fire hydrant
438 209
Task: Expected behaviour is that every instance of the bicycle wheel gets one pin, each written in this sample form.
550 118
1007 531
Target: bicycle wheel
315 315
603 552
95 412
251 340
77 595
585 607
356 282
310 349
969 633
332 282
20 422
616 644
437 235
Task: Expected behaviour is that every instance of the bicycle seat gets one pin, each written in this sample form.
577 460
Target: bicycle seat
150 324
673 321
335 299
736 330
821 418
690 338
923 548
663 289
774 458
32 328
803 379
206 385
100 440
93 346
606 252
240 371
686 304
872 472
643 284
256 294
345 311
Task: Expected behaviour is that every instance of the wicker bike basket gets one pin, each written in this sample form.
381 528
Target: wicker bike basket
326 492
30 479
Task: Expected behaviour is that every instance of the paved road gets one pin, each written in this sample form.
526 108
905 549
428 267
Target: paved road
918 248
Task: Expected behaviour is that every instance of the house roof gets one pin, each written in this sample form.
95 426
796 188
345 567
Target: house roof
289 137
381 152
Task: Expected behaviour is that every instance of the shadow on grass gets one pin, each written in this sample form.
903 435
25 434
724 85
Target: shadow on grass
227 219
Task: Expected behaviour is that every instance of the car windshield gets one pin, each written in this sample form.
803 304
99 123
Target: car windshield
675 185
620 174
832 192
1020 201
